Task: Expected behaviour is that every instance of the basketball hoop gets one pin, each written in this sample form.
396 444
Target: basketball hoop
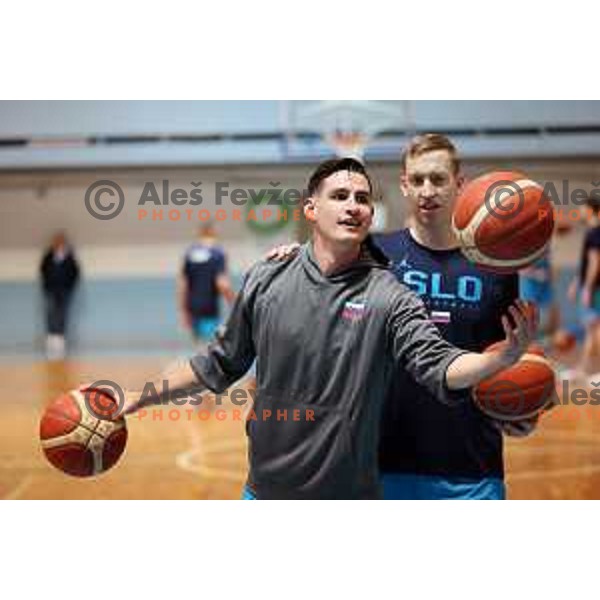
348 144
348 127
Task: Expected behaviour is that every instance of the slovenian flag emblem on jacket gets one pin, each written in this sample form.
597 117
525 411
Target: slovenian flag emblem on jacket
353 311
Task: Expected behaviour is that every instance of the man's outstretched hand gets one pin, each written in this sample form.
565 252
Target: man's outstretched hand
518 340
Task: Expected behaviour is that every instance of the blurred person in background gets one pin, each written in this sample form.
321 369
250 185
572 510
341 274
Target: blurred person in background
60 273
536 284
203 279
585 290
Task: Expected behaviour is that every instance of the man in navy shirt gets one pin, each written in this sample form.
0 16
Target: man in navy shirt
430 450
203 279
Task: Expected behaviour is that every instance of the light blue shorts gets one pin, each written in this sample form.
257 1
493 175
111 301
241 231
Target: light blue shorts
205 327
400 486
248 494
538 292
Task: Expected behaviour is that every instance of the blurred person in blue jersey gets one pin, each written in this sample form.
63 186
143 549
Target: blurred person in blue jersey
536 285
430 450
202 281
584 291
59 271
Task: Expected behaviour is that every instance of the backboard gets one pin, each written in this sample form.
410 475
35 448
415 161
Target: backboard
316 129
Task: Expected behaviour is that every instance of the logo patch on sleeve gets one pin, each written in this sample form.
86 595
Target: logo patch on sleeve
353 311
439 316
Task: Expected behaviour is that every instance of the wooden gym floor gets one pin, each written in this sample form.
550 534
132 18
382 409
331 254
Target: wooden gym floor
194 459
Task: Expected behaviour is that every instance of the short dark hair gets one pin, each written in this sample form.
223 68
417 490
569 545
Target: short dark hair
329 167
430 142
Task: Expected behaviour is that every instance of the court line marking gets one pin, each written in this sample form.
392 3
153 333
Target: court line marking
194 460
186 462
19 488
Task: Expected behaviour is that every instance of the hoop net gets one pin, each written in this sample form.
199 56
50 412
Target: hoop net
348 144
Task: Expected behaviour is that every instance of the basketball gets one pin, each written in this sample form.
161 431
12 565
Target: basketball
520 392
503 221
76 435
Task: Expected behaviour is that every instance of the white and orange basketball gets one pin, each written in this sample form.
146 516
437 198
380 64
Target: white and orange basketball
76 435
503 221
520 392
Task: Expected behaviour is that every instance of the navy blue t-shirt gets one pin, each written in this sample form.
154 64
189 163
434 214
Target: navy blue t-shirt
202 265
591 242
421 436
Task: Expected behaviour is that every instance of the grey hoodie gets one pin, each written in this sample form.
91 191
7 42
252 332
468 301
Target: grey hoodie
325 348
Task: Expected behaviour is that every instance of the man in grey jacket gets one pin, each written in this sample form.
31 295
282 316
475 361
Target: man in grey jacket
327 327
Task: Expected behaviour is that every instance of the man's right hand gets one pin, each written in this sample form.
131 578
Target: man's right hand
128 401
283 252
525 317
132 402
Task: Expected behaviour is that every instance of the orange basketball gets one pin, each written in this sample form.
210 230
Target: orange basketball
503 221
519 392
77 435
